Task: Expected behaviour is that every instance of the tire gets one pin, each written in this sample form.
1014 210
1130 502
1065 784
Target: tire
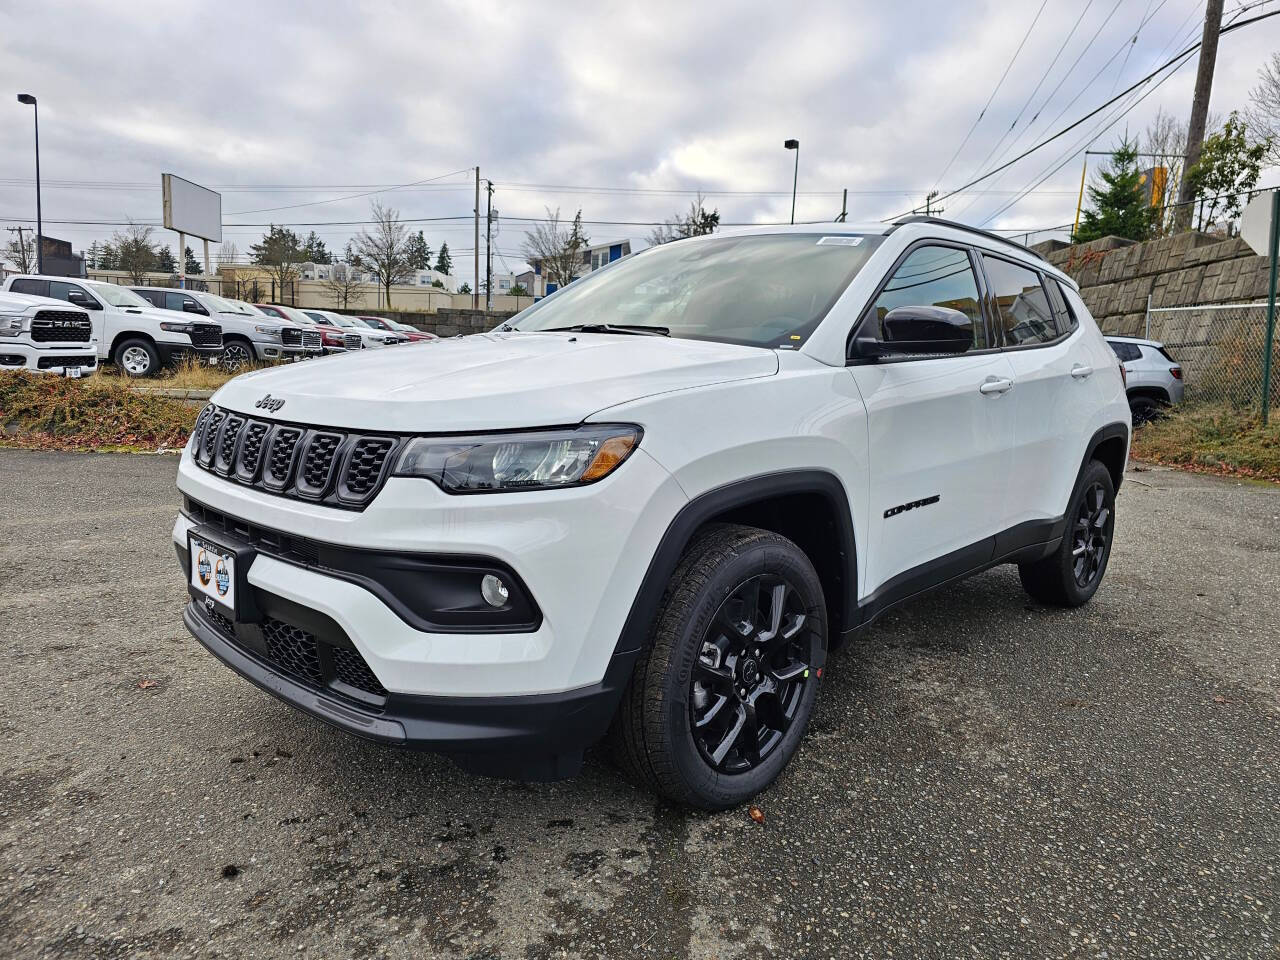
137 357
710 662
236 355
1071 575
1144 410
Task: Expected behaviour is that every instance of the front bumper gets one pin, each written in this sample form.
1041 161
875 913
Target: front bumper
580 553
273 350
171 353
48 359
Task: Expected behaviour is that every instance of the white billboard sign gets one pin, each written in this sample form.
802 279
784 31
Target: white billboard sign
191 209
1255 223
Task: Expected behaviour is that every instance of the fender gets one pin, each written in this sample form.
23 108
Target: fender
740 493
1109 432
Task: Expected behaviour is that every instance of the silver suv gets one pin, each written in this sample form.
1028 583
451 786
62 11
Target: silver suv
1153 378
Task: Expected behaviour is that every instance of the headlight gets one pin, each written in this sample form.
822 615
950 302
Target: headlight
179 327
268 331
11 326
531 460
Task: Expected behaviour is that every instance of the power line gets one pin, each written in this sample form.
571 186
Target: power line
994 91
1092 113
354 196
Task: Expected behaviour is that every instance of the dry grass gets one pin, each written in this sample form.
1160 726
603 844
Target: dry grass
1213 439
96 413
187 375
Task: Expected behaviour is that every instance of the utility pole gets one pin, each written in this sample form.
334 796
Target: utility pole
928 203
488 249
475 249
22 248
1199 109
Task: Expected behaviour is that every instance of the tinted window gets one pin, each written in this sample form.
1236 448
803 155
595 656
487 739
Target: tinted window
1125 351
933 277
155 297
1061 311
1021 303
70 292
37 288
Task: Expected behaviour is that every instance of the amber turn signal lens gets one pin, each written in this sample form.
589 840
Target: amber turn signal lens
611 453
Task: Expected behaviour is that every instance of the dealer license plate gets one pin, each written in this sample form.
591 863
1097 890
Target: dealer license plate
213 571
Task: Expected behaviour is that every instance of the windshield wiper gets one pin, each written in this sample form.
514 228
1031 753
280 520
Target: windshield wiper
637 329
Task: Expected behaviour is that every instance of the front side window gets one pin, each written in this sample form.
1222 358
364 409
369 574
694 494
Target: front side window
763 290
933 276
70 292
1022 306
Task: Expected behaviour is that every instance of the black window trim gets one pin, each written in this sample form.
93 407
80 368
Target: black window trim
998 326
864 315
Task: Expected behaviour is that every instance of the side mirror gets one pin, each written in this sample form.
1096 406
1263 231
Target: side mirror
190 306
76 298
918 330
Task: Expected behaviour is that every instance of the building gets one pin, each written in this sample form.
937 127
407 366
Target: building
418 278
593 258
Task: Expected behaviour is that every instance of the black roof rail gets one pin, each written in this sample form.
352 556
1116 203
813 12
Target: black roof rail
941 222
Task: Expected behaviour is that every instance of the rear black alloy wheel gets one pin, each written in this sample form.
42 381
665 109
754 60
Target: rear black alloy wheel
1091 536
750 674
719 700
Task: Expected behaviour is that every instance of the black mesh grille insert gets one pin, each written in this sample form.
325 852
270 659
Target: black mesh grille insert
48 363
317 465
206 335
290 336
350 668
227 444
293 650
251 451
364 470
280 463
61 326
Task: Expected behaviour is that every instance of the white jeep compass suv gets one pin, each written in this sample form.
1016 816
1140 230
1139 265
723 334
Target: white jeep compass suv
652 503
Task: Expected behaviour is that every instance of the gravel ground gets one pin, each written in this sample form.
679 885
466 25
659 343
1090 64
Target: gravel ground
984 777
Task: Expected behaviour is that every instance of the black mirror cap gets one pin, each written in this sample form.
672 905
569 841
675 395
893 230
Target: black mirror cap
918 330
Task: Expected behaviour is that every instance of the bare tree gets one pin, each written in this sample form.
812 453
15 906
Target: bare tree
558 249
1263 113
22 251
1167 135
693 223
135 251
343 285
228 253
385 250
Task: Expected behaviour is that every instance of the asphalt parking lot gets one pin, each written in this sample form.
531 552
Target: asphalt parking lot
984 777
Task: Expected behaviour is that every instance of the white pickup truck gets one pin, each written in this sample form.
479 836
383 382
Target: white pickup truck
37 334
133 334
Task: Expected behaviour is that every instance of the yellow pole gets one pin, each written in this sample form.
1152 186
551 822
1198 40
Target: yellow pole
1080 200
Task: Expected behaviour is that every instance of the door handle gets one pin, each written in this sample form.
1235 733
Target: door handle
996 385
1080 371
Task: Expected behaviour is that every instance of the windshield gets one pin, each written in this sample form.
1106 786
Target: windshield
359 322
765 290
223 305
119 296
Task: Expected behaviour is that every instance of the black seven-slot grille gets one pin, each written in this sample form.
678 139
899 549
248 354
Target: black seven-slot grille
290 336
61 326
334 467
206 335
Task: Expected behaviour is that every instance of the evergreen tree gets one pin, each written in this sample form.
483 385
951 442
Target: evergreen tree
418 252
194 269
444 262
465 288
165 262
107 257
1119 206
314 250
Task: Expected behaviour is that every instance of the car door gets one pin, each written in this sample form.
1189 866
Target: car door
1052 397
940 434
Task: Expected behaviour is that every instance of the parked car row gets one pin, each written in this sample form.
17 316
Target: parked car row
136 328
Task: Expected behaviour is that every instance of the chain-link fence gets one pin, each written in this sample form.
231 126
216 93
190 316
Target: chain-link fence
1221 348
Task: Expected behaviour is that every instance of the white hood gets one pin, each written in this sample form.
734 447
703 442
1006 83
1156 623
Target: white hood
491 381
21 302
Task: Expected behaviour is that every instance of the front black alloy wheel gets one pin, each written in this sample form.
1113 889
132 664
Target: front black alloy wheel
718 703
750 675
236 356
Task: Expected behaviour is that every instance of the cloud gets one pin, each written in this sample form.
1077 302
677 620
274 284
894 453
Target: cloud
331 98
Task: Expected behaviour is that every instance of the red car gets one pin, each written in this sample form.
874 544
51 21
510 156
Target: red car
333 339
413 334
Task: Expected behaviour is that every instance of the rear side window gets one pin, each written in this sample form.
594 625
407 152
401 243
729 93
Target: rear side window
36 288
933 276
1022 306
1126 352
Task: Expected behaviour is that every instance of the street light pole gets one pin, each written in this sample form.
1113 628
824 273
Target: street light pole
795 176
29 99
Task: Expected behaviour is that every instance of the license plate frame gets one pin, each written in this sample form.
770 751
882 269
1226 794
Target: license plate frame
214 572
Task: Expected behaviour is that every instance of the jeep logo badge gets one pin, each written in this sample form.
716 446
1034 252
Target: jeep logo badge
269 403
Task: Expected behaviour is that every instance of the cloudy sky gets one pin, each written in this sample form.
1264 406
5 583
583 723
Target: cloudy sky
619 109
